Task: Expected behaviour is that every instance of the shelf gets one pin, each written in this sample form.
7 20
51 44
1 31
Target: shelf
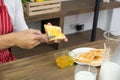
74 7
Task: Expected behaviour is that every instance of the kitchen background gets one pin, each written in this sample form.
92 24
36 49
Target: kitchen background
108 20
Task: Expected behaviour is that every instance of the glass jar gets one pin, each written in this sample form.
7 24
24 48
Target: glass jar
110 68
63 59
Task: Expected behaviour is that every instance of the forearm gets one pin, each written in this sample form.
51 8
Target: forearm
7 41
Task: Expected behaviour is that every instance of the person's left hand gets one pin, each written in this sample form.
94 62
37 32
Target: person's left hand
58 41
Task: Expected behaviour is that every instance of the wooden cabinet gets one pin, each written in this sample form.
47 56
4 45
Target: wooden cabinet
74 7
71 8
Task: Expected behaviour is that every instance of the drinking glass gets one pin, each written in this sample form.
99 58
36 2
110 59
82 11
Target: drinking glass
85 72
110 68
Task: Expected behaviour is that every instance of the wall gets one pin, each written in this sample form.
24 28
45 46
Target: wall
87 20
115 23
108 19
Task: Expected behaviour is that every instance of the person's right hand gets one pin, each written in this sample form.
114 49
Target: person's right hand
28 39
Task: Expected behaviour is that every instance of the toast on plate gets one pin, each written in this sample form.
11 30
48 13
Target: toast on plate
93 57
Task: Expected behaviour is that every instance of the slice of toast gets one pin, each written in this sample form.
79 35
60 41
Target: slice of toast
54 32
84 57
97 52
93 57
96 61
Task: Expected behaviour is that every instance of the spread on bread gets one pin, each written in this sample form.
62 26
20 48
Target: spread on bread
93 57
54 32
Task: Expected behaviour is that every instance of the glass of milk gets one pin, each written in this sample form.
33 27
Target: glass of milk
85 72
110 68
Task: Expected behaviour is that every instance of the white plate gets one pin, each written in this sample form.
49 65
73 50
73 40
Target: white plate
77 51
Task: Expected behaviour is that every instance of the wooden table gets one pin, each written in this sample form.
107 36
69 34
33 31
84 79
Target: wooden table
40 67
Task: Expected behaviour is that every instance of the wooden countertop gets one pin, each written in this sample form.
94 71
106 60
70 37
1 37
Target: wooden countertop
40 67
74 7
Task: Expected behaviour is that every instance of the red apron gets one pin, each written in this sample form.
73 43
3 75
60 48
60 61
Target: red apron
5 28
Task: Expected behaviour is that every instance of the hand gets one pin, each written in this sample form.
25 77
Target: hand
58 41
28 39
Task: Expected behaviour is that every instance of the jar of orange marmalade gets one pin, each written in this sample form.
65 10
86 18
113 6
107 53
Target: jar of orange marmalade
63 59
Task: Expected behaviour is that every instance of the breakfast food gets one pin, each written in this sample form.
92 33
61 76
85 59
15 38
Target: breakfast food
54 32
64 61
84 57
96 61
93 57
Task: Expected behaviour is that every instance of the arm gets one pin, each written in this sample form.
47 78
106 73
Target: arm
26 39
6 41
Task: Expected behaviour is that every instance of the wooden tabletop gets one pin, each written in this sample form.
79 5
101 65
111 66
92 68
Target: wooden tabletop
40 67
73 7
